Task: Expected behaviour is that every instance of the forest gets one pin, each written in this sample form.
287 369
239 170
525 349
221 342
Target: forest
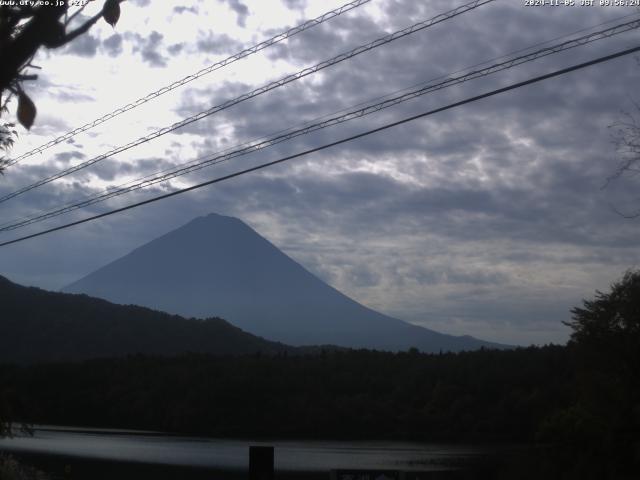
535 396
42 326
355 394
578 403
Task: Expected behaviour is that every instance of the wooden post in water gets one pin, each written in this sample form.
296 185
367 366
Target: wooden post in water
261 463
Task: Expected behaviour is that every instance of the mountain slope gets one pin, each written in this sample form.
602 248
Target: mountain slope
217 265
36 325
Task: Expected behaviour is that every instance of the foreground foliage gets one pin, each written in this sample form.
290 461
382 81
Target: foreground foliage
11 469
603 422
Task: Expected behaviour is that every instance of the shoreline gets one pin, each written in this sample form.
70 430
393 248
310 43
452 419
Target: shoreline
65 467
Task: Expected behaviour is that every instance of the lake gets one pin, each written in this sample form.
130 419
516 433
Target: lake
150 448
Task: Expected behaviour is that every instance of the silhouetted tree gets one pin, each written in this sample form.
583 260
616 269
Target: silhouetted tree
24 28
602 427
626 138
608 327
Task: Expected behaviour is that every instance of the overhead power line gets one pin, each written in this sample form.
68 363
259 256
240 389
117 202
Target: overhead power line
450 106
259 91
189 78
255 146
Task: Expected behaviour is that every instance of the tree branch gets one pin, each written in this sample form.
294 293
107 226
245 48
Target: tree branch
80 30
75 14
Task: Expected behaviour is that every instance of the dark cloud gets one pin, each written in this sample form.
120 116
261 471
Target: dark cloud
67 157
148 47
295 4
111 171
242 11
217 44
150 51
176 48
180 9
113 45
85 45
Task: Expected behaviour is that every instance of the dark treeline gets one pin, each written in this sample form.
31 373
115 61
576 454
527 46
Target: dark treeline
41 326
479 396
586 423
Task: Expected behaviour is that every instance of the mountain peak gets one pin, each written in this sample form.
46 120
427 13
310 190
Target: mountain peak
217 265
216 217
212 219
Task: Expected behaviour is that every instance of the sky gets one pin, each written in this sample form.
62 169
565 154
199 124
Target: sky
493 219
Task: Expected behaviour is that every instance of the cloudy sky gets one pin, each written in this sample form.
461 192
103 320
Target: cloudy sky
493 219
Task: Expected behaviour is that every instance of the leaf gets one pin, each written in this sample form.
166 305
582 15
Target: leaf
53 35
111 12
26 110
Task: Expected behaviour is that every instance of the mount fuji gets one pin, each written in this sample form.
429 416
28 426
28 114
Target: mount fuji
219 266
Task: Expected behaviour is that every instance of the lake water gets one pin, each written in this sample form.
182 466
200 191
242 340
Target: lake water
304 455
